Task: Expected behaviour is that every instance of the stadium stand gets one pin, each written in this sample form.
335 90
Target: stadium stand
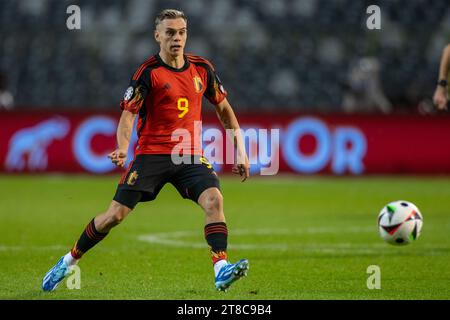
271 55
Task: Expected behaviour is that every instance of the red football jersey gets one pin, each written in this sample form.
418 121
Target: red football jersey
169 103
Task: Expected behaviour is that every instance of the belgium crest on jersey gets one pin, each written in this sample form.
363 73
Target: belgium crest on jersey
132 178
198 85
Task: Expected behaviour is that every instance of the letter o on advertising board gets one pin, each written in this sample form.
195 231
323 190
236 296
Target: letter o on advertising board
292 153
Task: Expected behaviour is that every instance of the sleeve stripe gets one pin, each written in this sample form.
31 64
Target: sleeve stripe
141 69
197 59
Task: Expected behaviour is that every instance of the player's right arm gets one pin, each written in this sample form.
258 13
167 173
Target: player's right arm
440 97
131 104
124 131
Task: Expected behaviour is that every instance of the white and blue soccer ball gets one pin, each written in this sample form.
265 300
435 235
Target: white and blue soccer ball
400 223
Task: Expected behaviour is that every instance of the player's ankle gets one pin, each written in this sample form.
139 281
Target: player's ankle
70 260
218 265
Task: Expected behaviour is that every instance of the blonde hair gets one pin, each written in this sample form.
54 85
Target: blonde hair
169 14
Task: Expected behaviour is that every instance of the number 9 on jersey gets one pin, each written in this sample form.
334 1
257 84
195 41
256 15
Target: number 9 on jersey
183 106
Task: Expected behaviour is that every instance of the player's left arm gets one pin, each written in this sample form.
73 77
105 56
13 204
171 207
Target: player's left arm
228 119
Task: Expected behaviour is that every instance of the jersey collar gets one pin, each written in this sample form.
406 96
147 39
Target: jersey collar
186 64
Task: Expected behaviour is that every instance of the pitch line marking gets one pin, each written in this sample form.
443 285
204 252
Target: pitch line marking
174 239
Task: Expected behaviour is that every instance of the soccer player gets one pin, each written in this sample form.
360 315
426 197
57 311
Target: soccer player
166 93
440 97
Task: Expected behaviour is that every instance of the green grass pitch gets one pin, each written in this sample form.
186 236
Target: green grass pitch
305 238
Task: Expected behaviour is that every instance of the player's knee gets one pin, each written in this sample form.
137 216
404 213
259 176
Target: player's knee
117 218
212 202
118 213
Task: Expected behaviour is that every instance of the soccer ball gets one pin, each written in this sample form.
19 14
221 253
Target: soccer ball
400 222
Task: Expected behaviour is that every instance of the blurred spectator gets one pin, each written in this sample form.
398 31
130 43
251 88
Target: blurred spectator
440 97
6 97
363 90
257 54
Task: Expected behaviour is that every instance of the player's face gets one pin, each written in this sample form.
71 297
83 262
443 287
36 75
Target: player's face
171 34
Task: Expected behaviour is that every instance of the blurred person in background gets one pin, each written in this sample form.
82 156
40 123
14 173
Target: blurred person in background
6 97
440 97
364 93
